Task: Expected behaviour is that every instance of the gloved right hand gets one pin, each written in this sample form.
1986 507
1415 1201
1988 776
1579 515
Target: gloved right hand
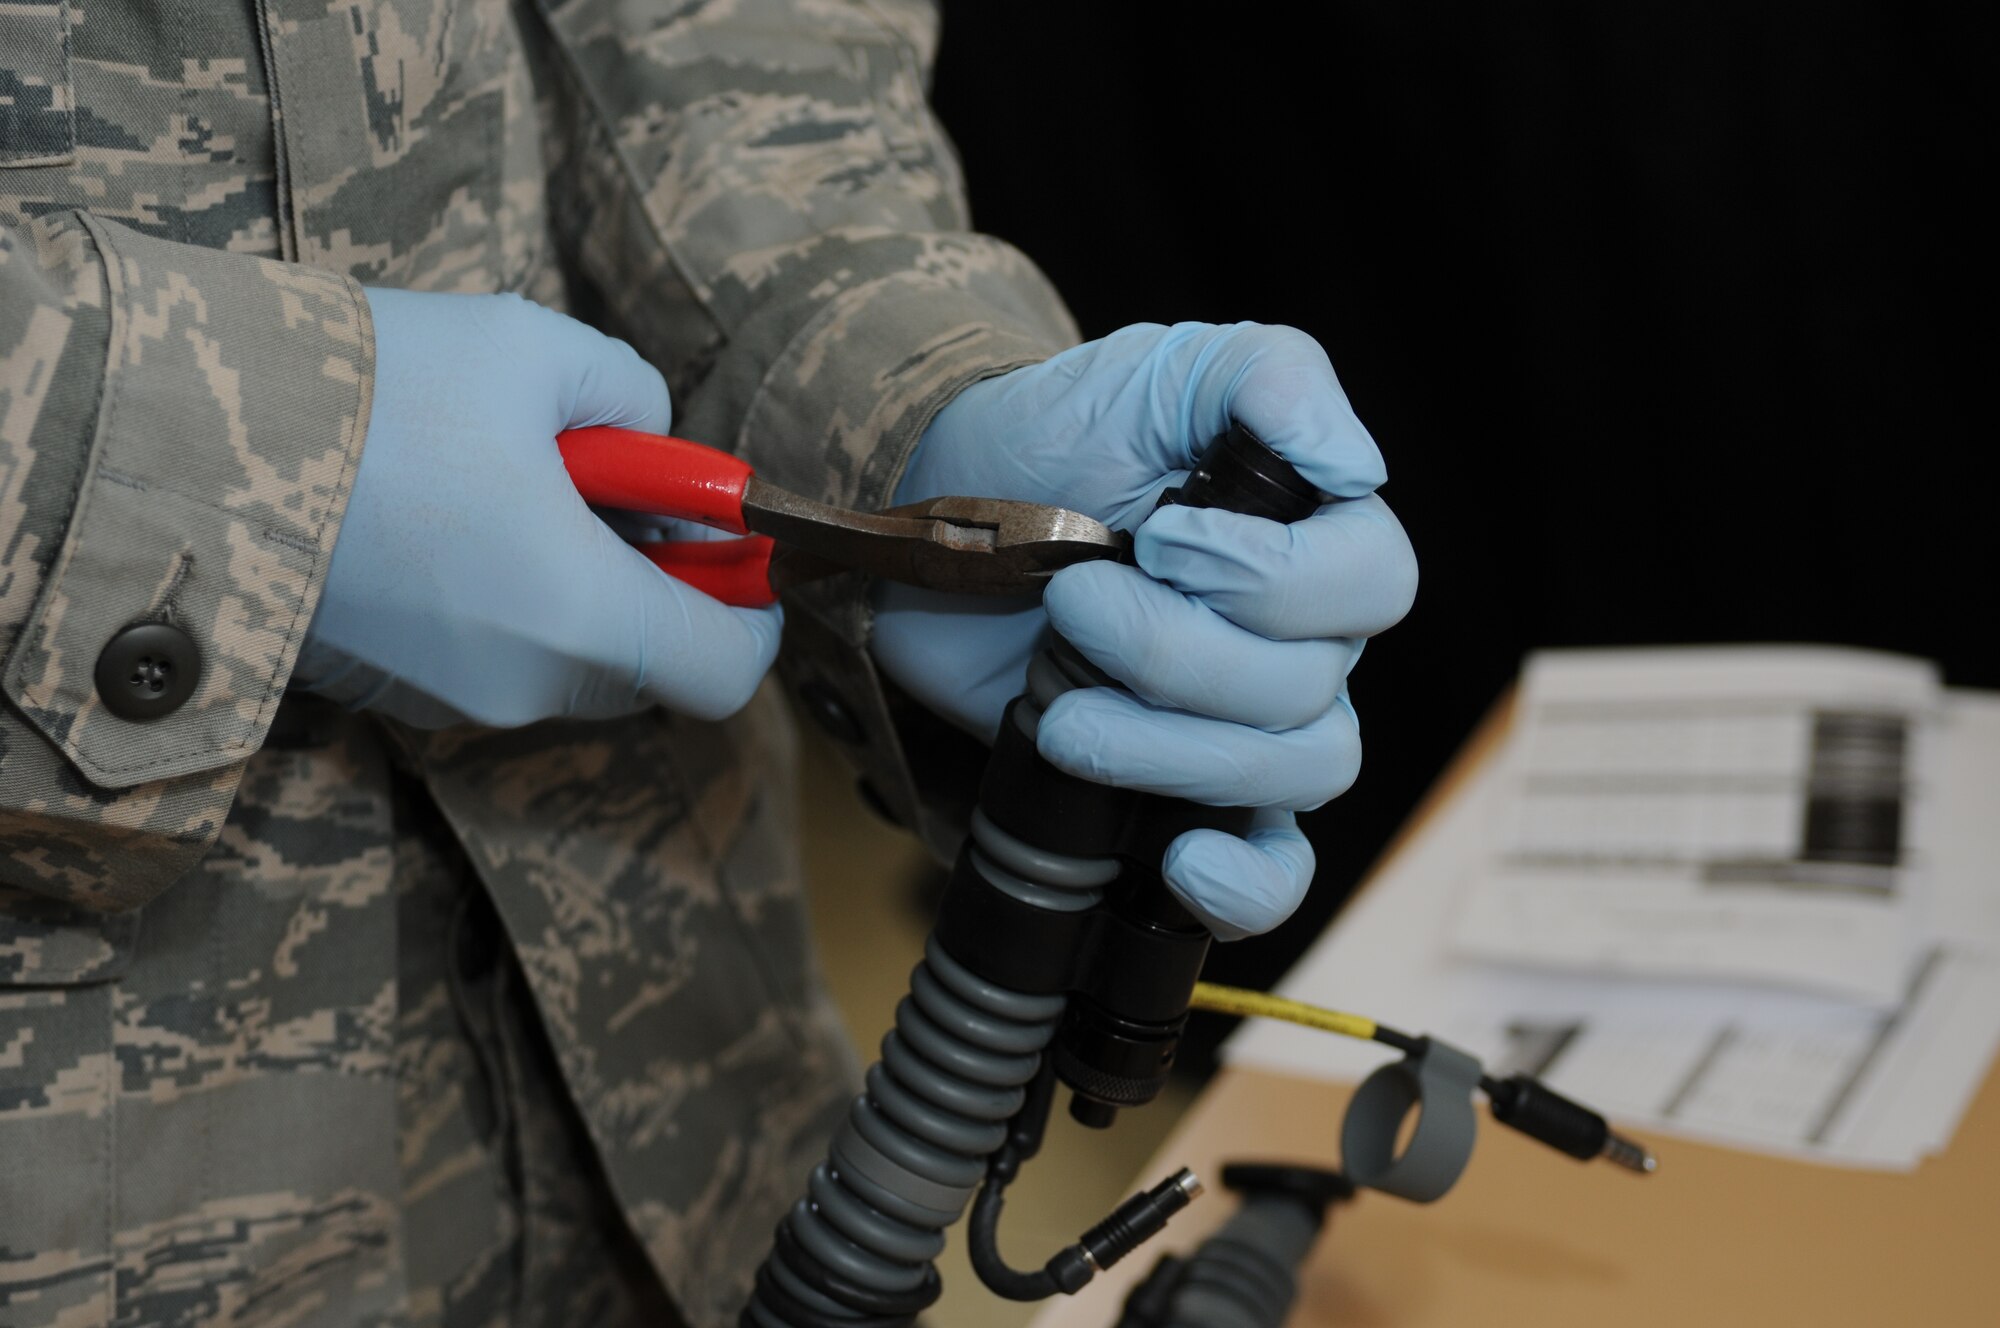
1234 635
470 583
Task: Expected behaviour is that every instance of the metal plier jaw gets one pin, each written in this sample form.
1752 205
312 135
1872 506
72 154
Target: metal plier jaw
979 546
973 546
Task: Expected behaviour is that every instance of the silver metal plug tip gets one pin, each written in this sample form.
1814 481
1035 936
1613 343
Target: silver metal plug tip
1629 1154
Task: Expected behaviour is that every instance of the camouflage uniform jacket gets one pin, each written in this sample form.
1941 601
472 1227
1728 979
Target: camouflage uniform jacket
199 1006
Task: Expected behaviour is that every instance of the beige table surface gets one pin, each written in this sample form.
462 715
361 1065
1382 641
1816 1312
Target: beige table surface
1530 1237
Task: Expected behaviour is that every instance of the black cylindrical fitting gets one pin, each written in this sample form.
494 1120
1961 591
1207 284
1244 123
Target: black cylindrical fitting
1111 1061
1315 1188
1541 1113
1239 471
1138 1220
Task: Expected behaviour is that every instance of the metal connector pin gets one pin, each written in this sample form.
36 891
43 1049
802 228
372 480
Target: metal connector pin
1629 1154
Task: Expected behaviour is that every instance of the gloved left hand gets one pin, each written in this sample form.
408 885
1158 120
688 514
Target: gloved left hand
1234 634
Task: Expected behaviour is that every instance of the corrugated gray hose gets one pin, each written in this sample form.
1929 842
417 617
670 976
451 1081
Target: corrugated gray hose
857 1251
1241 1277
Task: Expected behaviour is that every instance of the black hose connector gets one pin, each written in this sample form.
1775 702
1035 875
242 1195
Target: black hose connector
1316 1189
1241 472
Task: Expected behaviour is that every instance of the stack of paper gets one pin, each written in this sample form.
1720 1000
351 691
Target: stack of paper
1736 813
1744 896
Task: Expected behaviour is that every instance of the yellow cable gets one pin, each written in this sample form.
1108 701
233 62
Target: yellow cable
1236 1000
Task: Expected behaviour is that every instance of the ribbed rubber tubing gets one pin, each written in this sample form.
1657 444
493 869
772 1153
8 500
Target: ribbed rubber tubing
953 1072
1242 1276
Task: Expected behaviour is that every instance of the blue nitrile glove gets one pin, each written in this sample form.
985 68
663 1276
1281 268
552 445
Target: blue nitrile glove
470 583
1237 637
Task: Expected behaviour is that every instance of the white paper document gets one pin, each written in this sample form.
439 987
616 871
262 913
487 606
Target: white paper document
1744 813
1743 1061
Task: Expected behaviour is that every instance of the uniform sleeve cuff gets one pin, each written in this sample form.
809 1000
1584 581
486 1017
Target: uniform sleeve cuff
838 416
235 401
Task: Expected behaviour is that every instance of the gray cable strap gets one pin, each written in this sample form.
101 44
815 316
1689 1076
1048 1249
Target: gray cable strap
1439 1081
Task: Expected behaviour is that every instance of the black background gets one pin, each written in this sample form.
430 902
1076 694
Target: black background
1671 320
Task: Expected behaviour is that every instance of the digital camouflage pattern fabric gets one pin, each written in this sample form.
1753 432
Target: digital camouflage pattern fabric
307 1021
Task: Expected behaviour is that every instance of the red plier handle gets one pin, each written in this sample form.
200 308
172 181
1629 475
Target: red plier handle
653 473
974 546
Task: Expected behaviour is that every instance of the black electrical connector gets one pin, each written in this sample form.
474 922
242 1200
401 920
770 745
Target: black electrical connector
1538 1111
1071 1268
1522 1102
1135 1221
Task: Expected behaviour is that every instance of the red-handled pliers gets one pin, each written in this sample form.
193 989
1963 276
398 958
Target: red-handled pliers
991 546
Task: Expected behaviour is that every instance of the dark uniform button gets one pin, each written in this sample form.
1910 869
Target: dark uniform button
147 671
